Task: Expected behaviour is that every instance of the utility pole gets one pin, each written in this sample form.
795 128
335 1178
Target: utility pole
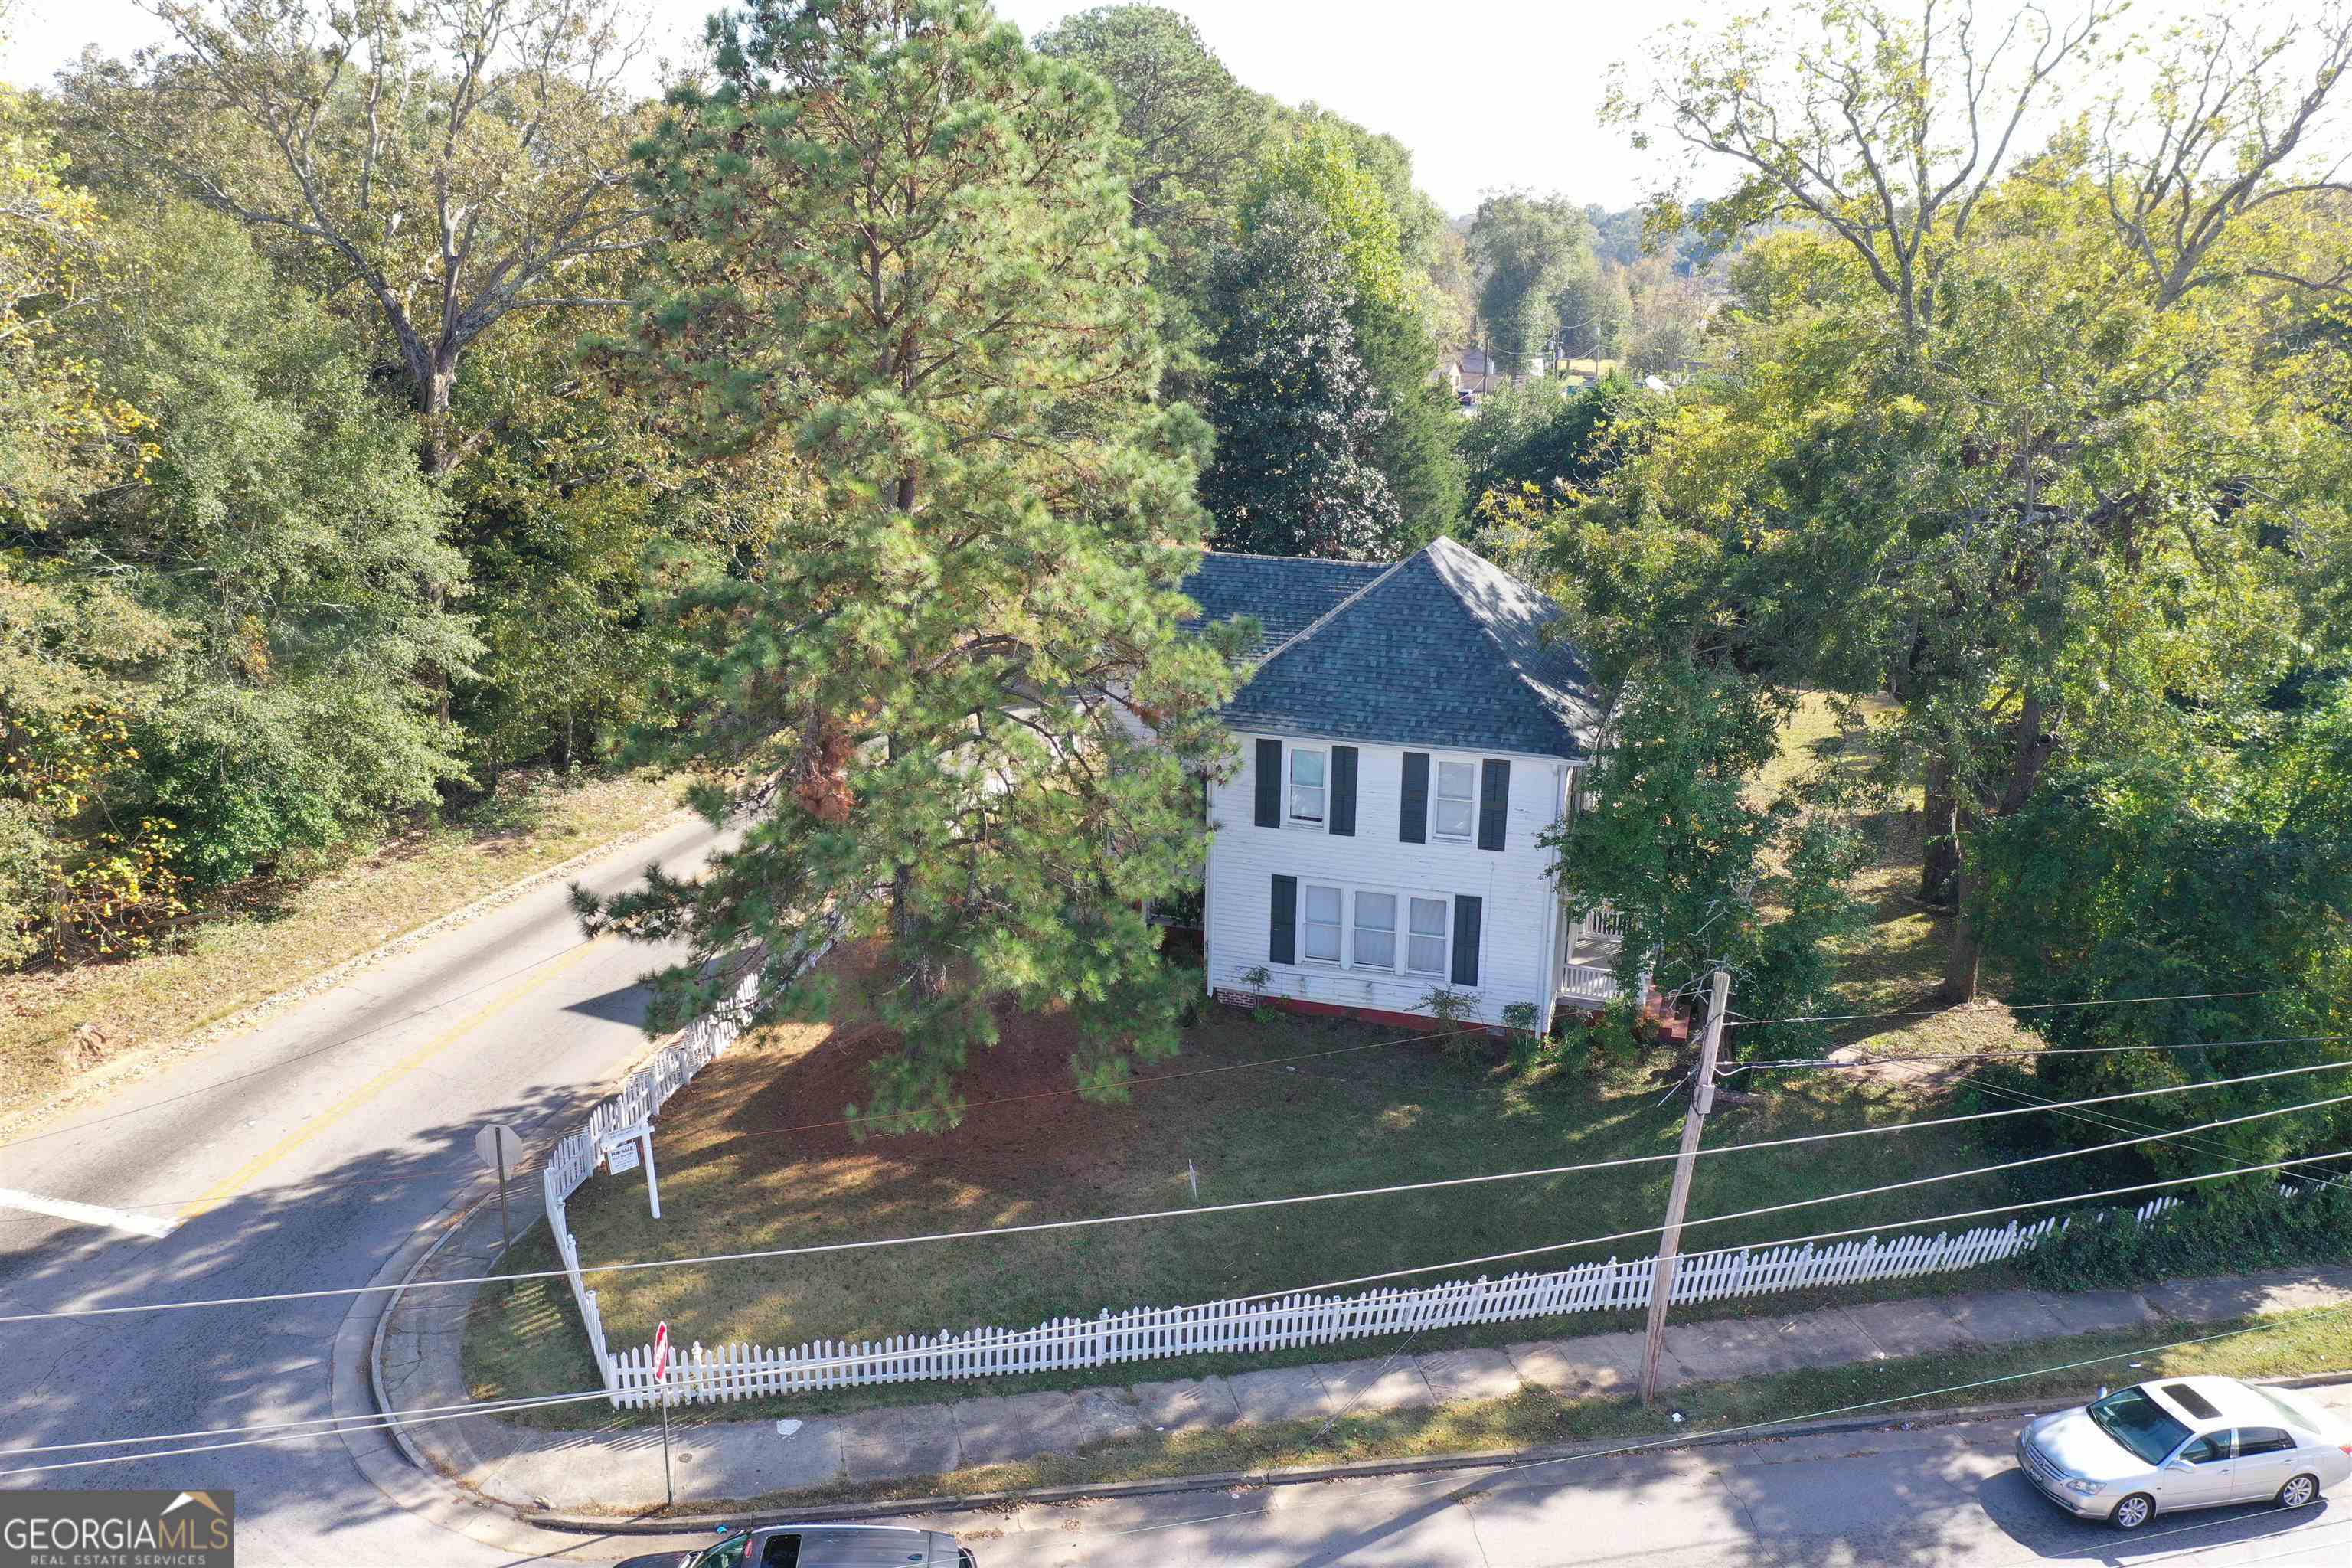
1662 1282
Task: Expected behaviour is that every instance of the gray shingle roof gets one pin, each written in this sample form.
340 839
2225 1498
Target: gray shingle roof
1444 648
1285 593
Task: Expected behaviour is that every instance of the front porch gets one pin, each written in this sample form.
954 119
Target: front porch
1587 958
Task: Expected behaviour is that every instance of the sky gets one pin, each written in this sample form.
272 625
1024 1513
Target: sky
1487 94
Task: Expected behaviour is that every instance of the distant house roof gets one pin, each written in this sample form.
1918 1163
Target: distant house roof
1443 648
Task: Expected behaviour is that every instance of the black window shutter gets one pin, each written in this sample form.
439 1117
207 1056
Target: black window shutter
1282 938
1494 802
1413 816
1466 921
1343 792
1269 784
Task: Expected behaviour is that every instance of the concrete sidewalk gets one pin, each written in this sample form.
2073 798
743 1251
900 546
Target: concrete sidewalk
417 1361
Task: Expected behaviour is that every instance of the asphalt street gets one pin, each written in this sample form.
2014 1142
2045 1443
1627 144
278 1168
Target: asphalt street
299 1155
1944 1496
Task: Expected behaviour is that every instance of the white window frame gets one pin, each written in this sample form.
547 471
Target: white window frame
1290 819
1356 928
1437 767
1339 929
1400 936
1443 973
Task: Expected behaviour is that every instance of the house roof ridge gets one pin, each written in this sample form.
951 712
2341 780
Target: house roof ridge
1319 621
1293 560
1530 688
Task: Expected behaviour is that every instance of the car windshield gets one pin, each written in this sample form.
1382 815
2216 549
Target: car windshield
2139 1423
727 1553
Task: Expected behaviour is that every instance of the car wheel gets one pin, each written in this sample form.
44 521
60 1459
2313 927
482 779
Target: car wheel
2132 1512
2300 1492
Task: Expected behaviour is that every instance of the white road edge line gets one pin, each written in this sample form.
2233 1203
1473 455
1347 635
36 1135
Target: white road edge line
88 1214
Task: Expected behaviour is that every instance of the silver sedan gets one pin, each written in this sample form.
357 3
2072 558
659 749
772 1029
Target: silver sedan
2184 1442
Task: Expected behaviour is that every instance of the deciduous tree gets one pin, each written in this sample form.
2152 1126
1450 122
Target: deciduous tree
453 162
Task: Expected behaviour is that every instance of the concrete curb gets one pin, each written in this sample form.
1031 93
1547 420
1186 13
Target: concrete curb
584 1524
134 1061
382 1451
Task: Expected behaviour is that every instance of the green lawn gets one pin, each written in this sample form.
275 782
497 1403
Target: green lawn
733 1180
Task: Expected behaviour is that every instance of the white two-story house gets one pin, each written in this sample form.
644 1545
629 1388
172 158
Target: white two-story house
1407 735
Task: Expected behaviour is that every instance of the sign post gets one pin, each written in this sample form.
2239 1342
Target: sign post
661 1380
499 1149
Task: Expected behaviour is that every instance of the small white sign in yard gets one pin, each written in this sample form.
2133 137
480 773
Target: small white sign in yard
626 1148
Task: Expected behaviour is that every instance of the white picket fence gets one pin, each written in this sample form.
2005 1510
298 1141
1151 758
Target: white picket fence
642 1094
1149 1333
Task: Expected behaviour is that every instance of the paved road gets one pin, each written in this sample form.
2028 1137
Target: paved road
1944 1497
301 1154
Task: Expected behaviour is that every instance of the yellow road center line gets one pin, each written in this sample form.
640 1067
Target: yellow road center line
312 1126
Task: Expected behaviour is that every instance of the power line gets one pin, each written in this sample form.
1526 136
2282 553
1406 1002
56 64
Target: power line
471 1407
1876 1060
1995 1001
1237 1206
534 1160
355 1423
1246 1204
2113 1123
1795 1240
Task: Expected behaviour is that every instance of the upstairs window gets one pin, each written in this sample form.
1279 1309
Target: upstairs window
1306 787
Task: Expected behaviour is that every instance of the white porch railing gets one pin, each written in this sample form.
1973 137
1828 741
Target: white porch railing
1602 920
1588 982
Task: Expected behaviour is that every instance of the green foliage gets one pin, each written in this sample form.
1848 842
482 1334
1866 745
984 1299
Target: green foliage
1293 409
2156 880
1701 877
903 261
2239 1233
1546 436
1533 251
1332 171
2009 434
286 534
1189 132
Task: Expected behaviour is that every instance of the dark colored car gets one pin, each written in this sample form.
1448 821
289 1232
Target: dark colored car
818 1546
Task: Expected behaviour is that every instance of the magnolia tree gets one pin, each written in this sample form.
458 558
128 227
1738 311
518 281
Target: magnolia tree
896 249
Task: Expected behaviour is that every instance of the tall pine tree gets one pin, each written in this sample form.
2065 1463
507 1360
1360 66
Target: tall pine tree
896 246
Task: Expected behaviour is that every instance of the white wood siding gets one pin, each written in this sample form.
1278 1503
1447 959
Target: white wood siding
1519 956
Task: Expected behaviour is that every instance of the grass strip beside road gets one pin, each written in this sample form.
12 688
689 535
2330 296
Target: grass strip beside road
274 933
2287 1344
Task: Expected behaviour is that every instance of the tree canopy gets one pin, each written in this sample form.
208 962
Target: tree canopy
901 252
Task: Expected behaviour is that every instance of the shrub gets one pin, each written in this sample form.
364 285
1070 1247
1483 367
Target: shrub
2227 1233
